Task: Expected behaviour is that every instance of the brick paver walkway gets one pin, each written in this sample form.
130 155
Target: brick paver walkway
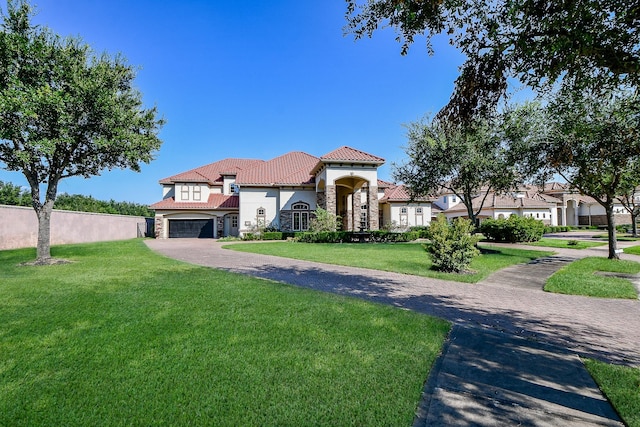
602 328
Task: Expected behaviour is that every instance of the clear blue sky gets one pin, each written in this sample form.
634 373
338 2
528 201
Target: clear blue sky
253 79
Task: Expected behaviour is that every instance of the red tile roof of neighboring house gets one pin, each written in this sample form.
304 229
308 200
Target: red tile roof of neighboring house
494 201
400 193
293 168
215 201
213 172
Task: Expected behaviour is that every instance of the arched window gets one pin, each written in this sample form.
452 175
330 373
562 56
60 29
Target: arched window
300 216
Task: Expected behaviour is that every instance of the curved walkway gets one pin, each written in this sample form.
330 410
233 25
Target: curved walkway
516 322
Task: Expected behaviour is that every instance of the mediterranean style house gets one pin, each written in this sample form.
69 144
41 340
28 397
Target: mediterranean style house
235 196
231 197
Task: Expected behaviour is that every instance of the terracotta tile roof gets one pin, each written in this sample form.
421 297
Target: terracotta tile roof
399 193
384 184
212 173
349 154
215 201
494 201
293 168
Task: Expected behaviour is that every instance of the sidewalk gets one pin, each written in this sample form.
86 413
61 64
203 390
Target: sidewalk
512 355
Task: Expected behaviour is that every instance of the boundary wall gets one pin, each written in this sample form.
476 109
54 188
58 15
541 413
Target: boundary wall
19 227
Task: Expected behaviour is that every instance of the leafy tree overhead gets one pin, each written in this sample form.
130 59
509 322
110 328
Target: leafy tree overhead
592 140
468 161
65 111
539 42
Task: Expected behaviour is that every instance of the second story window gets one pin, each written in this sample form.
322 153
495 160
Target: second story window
233 188
197 193
184 192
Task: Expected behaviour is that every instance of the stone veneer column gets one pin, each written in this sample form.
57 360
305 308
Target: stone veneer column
321 200
357 203
372 206
330 199
158 223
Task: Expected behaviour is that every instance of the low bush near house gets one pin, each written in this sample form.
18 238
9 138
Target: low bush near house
514 229
452 245
421 230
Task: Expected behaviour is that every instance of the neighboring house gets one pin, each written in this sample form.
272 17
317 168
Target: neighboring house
523 202
555 204
235 196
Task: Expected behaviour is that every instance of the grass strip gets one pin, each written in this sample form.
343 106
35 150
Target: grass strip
123 336
633 250
621 385
581 278
406 258
564 243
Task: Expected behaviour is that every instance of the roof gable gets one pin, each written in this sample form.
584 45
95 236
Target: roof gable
348 154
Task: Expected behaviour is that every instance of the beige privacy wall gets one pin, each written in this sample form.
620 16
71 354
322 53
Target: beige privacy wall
19 227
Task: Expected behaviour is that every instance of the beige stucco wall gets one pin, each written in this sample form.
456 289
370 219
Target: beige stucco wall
19 227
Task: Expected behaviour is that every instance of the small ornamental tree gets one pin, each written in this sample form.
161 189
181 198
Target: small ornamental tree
324 221
453 246
65 112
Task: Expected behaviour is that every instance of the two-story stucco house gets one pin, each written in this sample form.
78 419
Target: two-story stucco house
234 196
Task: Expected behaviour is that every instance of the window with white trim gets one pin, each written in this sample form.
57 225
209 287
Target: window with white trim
300 216
184 192
197 193
403 211
261 217
419 211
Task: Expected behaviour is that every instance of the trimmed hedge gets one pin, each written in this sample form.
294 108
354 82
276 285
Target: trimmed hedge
514 229
379 236
557 229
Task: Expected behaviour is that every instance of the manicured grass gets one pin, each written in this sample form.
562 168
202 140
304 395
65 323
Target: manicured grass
633 250
619 237
580 278
621 385
564 243
407 258
123 336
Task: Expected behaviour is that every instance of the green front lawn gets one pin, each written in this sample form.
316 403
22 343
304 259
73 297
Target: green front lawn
580 278
123 336
407 258
621 385
564 243
633 250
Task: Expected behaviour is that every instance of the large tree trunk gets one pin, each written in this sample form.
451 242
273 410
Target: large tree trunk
611 229
43 212
43 251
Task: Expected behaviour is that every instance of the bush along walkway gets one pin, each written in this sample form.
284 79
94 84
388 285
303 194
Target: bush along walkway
522 326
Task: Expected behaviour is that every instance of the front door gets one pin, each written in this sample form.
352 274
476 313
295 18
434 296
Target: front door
233 225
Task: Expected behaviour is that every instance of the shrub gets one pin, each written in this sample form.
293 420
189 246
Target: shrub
324 221
272 235
422 231
324 237
514 229
572 243
452 245
383 236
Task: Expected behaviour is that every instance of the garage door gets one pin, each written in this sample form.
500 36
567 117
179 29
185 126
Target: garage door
202 228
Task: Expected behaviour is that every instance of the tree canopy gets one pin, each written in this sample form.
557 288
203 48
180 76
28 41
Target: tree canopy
468 161
591 138
66 111
538 42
